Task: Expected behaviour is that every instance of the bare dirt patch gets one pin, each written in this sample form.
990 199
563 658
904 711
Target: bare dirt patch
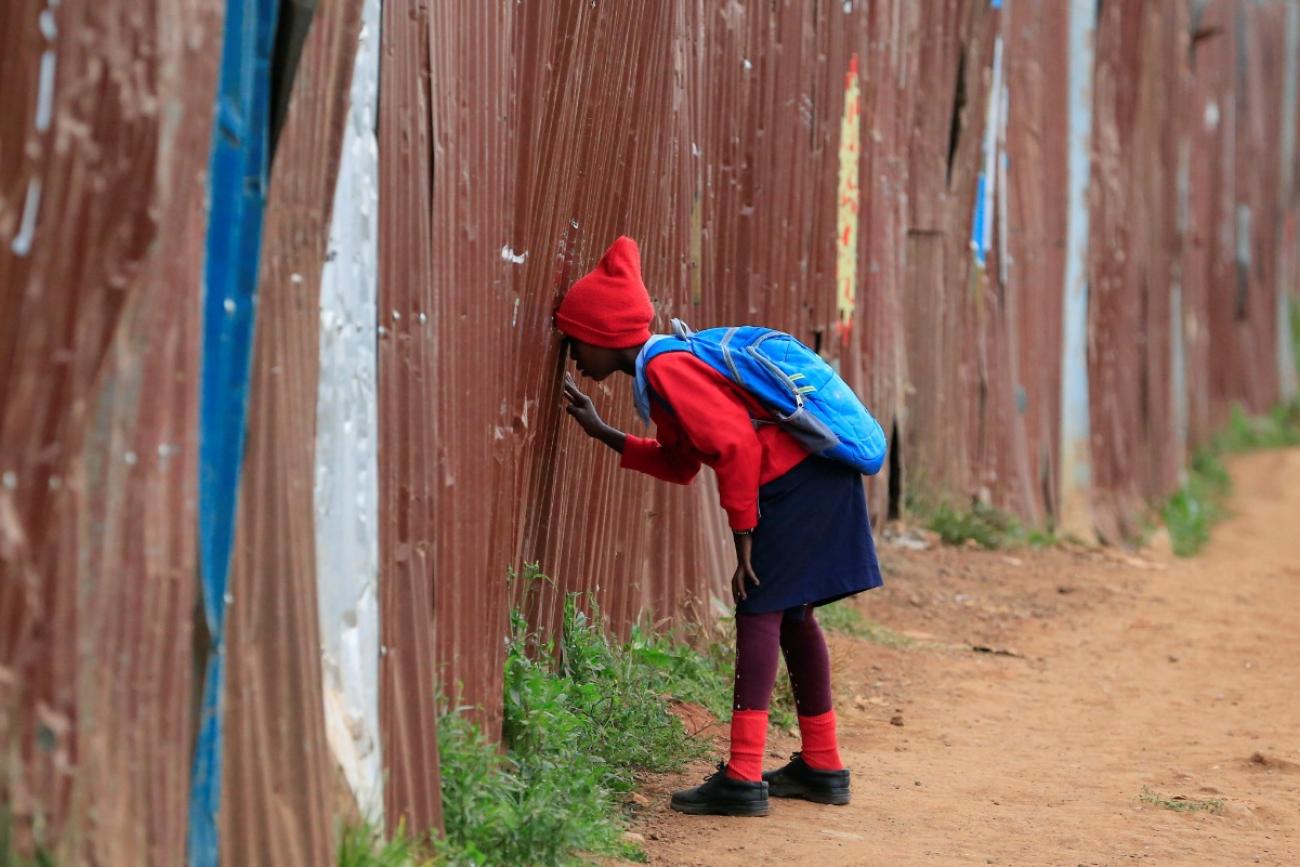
1043 695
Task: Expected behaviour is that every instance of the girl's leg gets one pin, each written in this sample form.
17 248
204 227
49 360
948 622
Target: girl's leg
758 641
809 663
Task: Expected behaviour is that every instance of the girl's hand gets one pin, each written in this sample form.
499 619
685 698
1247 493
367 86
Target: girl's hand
581 408
584 413
744 573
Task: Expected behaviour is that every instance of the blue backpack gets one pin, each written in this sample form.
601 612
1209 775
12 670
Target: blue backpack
805 396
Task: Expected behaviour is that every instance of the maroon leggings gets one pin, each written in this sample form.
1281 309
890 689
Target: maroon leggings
796 633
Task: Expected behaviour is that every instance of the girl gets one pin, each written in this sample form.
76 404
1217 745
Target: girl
800 526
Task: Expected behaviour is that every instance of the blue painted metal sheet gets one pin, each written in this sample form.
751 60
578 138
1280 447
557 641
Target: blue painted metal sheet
237 178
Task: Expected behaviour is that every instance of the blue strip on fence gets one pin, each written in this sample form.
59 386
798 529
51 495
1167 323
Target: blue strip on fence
237 194
977 222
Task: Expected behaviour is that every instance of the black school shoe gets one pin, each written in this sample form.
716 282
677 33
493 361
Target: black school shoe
797 780
720 795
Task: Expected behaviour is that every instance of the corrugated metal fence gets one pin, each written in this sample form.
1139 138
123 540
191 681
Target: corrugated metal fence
258 508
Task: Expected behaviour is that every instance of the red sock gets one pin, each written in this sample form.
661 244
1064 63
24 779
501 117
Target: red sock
820 749
748 736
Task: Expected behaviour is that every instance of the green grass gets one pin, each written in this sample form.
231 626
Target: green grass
1193 510
702 672
1180 804
1197 506
11 858
363 846
990 528
838 617
582 719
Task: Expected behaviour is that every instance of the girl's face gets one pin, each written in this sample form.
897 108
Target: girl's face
594 362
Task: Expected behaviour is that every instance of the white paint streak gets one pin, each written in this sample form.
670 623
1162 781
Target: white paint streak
49 29
989 151
22 243
1004 233
347 466
508 254
1211 115
45 91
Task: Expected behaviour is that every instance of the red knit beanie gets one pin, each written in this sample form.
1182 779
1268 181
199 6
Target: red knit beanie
610 306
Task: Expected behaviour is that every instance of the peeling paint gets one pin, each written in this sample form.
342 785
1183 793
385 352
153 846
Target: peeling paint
22 242
45 91
981 240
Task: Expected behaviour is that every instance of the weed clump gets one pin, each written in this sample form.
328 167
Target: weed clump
1181 804
985 525
10 856
364 846
1197 505
582 718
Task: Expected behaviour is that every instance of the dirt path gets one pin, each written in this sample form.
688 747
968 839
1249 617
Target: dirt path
1132 674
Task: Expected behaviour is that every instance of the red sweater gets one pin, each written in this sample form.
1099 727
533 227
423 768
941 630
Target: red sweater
710 423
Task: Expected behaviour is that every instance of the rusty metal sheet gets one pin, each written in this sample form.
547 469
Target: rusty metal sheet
1237 77
408 404
1141 50
1207 260
941 316
98 396
1261 63
277 779
1037 49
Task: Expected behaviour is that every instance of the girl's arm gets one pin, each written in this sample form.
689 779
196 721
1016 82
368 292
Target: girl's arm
584 412
647 456
718 425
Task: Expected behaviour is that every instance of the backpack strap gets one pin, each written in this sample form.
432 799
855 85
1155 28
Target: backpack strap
656 346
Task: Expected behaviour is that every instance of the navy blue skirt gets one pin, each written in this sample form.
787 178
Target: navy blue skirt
813 541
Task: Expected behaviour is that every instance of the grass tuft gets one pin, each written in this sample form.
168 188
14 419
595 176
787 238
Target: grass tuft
1181 804
1197 506
364 846
847 620
9 856
989 527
